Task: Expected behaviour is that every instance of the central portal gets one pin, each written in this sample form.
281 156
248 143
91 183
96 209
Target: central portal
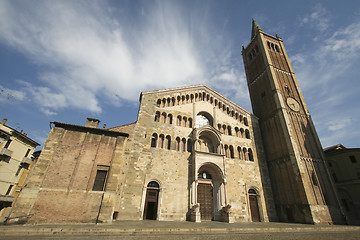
205 198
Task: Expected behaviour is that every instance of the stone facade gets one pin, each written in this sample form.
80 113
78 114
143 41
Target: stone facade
191 155
344 166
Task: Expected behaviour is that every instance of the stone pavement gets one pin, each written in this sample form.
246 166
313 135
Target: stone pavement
180 230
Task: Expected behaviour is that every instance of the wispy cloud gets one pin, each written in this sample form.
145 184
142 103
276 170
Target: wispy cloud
318 19
323 73
88 54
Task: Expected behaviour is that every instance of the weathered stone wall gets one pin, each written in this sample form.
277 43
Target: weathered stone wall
171 168
60 187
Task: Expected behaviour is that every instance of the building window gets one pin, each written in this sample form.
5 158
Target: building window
154 140
9 190
335 177
18 171
8 143
27 152
358 173
353 159
100 178
345 204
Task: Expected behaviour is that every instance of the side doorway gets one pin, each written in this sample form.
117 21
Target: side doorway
254 207
151 201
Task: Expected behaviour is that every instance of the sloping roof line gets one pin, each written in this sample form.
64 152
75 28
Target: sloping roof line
22 135
89 129
201 87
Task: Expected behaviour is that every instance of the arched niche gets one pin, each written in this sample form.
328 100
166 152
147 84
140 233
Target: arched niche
203 119
207 140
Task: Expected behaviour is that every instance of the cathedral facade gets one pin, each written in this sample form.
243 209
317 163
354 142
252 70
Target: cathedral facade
192 155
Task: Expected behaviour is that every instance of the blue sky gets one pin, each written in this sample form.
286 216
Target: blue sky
67 60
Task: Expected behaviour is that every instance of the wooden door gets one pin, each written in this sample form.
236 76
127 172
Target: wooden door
205 198
254 209
151 204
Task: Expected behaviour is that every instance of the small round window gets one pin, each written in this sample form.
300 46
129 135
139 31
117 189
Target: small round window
204 175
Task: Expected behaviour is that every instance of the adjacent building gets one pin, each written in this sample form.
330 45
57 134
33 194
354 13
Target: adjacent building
193 155
344 165
16 151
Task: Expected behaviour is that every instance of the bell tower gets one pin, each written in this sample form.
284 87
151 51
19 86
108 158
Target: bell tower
303 191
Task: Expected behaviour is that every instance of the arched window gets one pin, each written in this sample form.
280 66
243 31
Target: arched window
229 130
252 191
153 184
184 123
163 102
190 122
246 122
231 148
161 141
173 101
168 142
168 102
239 152
224 130
154 140
170 119
247 134
226 150
183 145
203 119
177 144
246 156
158 103
178 121
157 116
251 157
237 131
163 118
242 132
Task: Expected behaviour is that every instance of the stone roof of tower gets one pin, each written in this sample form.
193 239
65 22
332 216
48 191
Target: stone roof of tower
255 29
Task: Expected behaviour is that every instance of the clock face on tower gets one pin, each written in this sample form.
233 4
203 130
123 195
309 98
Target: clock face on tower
293 104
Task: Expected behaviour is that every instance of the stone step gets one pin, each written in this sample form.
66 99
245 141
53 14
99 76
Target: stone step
141 228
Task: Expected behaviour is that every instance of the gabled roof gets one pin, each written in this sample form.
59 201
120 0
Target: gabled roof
194 88
334 148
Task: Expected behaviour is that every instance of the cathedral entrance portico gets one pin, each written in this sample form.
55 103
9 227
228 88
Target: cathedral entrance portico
209 191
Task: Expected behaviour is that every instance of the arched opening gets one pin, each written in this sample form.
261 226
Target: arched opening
254 208
208 141
209 191
151 201
154 140
203 119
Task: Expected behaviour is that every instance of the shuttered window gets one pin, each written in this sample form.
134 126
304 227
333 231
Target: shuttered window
100 179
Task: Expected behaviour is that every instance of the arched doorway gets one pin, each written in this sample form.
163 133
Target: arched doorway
205 196
254 207
151 201
210 191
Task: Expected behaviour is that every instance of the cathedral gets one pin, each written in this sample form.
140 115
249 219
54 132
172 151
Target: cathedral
192 155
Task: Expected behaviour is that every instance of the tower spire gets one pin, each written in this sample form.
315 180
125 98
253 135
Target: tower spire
255 29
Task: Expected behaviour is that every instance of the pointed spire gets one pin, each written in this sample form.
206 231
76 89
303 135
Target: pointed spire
255 29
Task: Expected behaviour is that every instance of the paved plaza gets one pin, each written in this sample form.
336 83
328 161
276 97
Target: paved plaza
180 230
